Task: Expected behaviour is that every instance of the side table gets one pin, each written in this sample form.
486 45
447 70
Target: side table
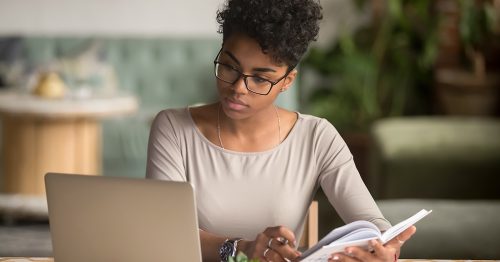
62 136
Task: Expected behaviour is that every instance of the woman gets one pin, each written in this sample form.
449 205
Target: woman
255 166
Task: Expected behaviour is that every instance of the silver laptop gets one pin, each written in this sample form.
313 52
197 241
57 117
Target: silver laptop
104 219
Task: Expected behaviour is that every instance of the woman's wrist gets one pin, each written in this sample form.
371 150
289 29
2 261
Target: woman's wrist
243 246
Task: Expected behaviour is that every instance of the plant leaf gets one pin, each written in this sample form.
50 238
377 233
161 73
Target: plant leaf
395 8
241 257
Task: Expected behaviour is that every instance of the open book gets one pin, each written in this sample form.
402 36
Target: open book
358 234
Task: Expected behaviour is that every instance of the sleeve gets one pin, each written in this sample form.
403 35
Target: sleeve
341 181
165 160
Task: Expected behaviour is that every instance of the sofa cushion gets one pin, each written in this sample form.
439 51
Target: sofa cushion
436 157
456 229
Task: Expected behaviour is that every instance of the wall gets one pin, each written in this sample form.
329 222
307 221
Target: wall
189 18
109 17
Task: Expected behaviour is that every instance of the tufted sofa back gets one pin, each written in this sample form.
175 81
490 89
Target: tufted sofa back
162 72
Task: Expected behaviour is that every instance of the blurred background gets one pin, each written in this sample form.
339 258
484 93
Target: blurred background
411 85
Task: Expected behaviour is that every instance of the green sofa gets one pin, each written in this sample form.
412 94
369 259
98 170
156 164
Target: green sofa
450 165
456 229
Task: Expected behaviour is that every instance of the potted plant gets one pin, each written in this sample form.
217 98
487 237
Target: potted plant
471 86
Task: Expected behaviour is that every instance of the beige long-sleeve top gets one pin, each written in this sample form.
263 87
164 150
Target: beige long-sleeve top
240 194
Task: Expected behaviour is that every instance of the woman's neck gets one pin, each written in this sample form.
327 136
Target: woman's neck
255 126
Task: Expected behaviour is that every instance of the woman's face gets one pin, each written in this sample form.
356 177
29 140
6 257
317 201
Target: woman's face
245 55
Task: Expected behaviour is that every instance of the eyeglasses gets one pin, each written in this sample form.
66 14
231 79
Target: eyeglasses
254 84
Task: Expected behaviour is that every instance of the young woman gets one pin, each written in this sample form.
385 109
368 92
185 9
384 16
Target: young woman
255 166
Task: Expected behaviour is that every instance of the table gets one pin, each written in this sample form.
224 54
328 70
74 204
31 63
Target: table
46 259
62 136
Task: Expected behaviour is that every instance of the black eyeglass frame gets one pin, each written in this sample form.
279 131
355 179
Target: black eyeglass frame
246 76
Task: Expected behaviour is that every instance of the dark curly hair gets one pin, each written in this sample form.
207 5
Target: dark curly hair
283 27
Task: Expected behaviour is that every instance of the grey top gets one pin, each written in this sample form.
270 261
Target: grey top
239 194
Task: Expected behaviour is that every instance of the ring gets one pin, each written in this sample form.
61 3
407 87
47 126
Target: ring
401 242
266 252
270 242
283 241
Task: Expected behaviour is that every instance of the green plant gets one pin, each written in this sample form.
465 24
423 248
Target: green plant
478 23
378 71
241 257
479 30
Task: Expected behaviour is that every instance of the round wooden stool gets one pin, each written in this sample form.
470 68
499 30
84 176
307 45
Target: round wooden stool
62 136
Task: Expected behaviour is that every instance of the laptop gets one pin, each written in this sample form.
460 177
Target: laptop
103 219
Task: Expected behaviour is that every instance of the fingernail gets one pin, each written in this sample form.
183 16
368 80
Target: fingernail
294 243
349 251
373 242
335 258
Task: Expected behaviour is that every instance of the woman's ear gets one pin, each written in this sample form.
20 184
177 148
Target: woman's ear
288 80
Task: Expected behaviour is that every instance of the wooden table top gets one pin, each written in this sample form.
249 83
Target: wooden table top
99 106
46 259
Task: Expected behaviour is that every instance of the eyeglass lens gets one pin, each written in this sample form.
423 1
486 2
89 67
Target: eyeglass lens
255 84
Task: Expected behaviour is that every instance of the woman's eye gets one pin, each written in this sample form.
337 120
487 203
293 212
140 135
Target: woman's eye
231 68
259 80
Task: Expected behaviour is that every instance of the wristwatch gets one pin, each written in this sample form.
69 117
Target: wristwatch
228 249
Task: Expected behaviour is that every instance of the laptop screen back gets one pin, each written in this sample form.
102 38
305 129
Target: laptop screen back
95 218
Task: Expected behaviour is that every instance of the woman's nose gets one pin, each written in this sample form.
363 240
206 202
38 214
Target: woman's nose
239 86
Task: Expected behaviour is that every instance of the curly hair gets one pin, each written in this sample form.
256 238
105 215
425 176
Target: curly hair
283 27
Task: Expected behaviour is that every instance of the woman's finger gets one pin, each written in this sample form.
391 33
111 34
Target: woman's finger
273 256
399 240
281 231
284 250
260 246
338 257
360 254
380 251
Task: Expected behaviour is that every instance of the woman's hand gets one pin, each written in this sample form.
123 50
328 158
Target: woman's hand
382 253
277 251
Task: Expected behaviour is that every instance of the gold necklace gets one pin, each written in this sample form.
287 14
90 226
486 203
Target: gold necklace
218 126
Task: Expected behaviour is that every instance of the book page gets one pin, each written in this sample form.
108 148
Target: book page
397 229
338 233
358 234
323 254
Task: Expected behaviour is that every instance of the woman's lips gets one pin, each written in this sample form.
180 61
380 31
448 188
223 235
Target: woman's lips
234 105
